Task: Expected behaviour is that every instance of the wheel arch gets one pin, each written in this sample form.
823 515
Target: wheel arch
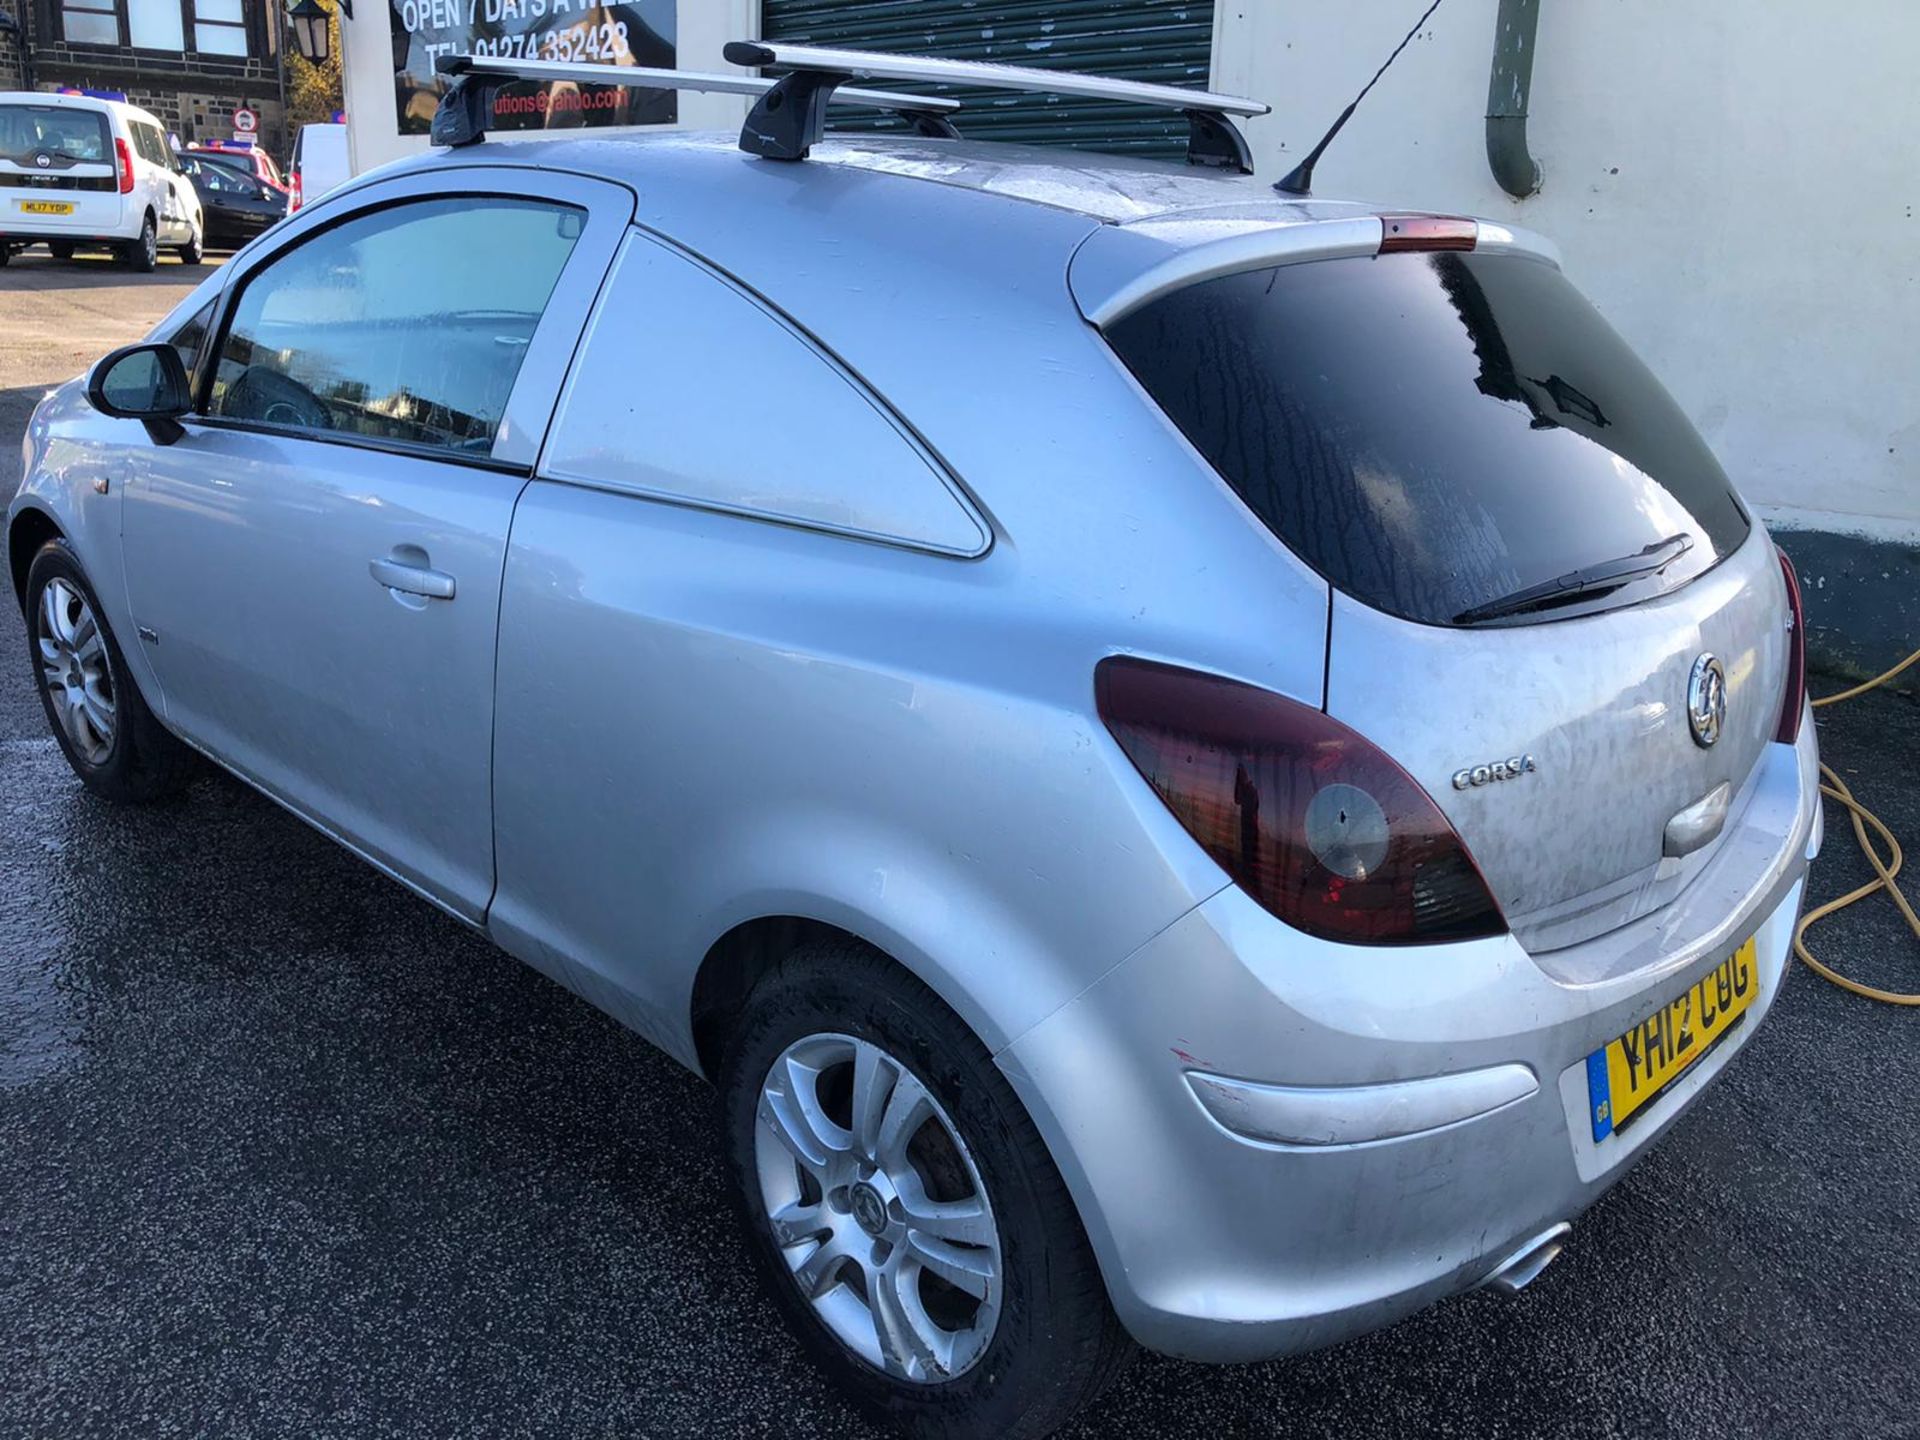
31 529
741 957
748 949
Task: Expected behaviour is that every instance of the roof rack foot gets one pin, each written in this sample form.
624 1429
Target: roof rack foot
787 121
933 126
1214 140
461 118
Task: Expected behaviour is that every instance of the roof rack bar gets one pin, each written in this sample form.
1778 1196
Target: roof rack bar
871 65
791 117
462 116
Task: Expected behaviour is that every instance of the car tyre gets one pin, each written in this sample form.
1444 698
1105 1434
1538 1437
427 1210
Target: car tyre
142 254
194 250
790 1080
60 249
104 728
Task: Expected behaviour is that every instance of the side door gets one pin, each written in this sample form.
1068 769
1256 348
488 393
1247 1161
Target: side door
314 566
684 586
173 218
186 199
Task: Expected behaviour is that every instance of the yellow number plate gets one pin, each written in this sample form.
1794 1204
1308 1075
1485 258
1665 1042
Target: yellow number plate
47 207
1629 1073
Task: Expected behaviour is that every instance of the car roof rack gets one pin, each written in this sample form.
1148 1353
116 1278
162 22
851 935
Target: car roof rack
462 116
791 117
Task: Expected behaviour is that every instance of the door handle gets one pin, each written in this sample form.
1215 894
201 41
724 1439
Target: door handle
412 579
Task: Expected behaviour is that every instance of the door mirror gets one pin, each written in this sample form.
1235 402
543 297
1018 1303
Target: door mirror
143 382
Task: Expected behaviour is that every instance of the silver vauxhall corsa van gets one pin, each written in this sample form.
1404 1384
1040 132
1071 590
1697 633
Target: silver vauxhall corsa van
1198 766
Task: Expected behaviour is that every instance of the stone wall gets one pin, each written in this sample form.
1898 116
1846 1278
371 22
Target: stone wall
12 72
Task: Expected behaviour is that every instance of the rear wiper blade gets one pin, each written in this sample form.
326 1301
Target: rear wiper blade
1579 584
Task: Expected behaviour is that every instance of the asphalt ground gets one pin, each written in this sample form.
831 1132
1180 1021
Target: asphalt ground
283 1151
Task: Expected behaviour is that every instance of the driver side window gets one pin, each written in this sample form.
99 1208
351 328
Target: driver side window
406 325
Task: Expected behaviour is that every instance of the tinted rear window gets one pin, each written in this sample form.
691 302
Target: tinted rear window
222 160
1433 432
62 131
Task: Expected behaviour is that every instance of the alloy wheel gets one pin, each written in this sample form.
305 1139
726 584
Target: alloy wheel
878 1208
74 669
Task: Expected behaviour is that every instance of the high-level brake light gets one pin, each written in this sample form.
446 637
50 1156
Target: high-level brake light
1426 232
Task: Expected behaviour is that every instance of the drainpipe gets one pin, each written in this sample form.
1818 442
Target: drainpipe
1507 90
277 14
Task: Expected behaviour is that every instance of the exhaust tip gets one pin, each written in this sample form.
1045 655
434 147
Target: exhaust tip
1523 1267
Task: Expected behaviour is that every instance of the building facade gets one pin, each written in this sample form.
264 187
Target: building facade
191 62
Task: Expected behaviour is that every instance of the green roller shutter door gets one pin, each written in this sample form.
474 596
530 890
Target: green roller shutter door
1167 42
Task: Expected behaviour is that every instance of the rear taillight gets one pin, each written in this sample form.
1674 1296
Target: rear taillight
1794 703
293 202
1310 819
123 164
1426 232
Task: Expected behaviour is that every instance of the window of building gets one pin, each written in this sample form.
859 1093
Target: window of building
205 27
219 26
90 22
155 24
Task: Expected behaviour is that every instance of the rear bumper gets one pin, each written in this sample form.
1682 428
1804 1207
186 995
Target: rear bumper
96 217
15 234
1277 1143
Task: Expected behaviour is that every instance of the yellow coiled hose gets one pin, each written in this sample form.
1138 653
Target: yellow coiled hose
1835 788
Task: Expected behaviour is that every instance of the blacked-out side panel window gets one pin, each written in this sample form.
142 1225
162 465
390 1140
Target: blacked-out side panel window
151 144
655 406
405 325
1434 432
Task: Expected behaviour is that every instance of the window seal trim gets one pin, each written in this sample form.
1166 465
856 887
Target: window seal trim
399 449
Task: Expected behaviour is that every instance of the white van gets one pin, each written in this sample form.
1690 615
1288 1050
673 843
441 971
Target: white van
77 172
319 162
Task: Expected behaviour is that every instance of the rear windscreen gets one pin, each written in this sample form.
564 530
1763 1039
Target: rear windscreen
74 135
1434 432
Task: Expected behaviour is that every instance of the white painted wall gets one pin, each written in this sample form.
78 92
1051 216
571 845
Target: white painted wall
1735 183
